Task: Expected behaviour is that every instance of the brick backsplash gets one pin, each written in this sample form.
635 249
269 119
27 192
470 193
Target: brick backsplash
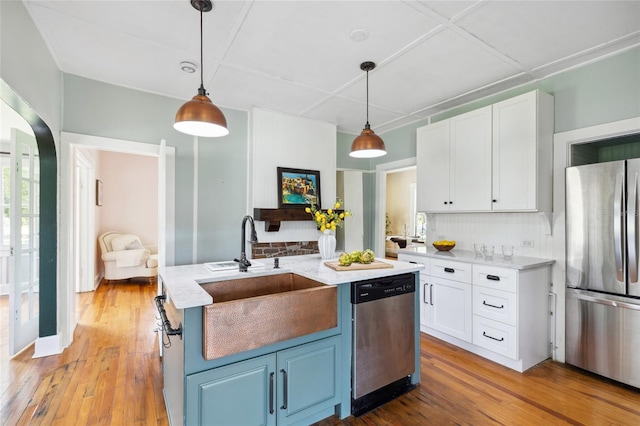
281 249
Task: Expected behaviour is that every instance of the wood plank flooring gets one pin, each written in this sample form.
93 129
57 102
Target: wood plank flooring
111 375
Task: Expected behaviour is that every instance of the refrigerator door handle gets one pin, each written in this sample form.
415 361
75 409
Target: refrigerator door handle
608 302
618 223
632 230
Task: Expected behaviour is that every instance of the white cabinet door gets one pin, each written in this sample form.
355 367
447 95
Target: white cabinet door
470 161
522 153
432 152
425 285
426 295
451 309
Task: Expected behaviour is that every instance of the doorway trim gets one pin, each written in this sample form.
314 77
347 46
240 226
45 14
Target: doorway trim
381 198
66 292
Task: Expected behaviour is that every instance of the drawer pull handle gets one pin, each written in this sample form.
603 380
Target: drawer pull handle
450 270
491 337
492 306
493 277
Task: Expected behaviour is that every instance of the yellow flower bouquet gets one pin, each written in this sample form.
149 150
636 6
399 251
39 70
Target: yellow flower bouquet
328 219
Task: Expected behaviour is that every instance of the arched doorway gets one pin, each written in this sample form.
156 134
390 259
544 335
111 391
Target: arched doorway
47 264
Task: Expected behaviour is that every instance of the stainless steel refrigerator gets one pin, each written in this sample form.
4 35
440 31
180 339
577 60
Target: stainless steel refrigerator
603 292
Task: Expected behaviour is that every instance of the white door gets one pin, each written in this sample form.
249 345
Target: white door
25 242
84 246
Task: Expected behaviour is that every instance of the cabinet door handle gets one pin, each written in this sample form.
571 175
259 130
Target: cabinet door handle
493 277
271 393
446 202
494 200
493 338
431 294
492 306
450 270
424 297
285 396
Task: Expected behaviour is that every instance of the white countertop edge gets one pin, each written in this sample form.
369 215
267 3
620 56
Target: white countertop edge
182 283
516 262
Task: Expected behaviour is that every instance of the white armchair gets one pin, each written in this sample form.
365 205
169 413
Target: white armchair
125 257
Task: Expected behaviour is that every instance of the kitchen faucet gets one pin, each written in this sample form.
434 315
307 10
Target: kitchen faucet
244 262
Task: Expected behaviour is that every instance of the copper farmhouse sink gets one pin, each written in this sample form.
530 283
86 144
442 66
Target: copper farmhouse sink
249 313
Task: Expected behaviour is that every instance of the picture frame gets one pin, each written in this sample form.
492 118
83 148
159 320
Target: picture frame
298 188
98 192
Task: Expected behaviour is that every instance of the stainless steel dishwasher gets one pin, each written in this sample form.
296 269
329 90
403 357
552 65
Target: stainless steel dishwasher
383 340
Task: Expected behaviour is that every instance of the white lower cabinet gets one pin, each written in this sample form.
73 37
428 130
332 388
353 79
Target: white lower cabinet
426 286
451 311
495 336
499 313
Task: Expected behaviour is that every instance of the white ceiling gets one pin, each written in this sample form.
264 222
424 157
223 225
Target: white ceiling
298 57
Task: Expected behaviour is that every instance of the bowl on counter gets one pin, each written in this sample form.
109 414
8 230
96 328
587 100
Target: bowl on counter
442 247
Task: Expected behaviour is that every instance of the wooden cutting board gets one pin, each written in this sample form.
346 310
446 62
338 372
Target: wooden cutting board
376 264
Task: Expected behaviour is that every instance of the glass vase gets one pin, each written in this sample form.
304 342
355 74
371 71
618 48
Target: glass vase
327 244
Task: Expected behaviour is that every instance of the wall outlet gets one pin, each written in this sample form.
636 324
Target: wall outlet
527 243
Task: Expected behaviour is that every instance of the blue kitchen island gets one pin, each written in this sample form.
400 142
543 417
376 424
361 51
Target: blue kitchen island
298 380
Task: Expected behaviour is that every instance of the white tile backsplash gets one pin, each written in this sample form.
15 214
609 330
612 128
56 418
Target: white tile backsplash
496 229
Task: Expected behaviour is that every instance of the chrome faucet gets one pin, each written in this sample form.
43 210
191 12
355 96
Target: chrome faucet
244 262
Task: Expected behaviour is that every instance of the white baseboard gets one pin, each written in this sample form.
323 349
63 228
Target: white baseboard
46 346
98 278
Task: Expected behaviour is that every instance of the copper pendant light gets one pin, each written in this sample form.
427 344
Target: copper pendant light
368 144
199 116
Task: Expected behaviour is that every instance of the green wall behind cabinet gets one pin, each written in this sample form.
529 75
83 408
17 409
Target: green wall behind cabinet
597 93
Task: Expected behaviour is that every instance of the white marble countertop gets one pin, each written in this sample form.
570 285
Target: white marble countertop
182 283
516 262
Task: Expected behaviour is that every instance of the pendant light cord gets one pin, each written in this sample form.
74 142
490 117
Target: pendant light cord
367 97
201 90
201 55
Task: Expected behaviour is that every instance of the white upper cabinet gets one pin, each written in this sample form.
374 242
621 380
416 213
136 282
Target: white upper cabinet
496 158
432 173
454 163
470 165
522 153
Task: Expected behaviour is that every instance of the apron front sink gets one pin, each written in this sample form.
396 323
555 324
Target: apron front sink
248 313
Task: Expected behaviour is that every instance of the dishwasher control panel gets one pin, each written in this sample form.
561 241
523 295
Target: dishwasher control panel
379 288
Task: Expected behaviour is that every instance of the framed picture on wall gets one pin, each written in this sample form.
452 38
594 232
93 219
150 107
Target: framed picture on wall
98 192
298 188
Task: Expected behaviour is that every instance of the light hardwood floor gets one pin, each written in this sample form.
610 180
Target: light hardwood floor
111 375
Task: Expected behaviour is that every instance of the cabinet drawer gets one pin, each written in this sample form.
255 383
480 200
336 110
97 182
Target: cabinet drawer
450 270
420 260
495 336
494 277
495 304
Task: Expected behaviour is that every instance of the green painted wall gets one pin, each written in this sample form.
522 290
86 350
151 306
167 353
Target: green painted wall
32 85
101 109
222 191
598 93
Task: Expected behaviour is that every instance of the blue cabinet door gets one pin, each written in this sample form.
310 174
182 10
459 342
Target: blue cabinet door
238 394
308 381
